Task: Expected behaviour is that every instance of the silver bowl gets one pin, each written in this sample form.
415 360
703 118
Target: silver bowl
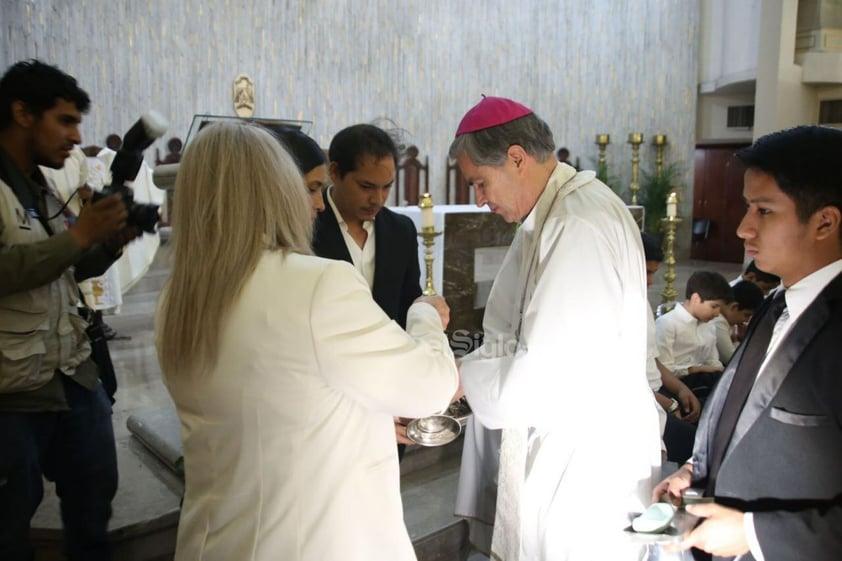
435 430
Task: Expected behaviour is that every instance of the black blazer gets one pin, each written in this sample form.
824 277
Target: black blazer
784 462
396 270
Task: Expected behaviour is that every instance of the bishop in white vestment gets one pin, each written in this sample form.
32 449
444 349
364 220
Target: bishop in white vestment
562 369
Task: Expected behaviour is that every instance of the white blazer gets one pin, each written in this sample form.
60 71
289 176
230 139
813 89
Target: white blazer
289 443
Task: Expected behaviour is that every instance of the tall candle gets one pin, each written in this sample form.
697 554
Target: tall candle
672 205
427 217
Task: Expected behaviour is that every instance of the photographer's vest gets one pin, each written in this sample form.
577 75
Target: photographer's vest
40 330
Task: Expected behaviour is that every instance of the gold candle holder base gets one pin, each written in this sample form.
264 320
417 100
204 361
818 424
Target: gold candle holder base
635 139
660 142
428 238
602 140
669 295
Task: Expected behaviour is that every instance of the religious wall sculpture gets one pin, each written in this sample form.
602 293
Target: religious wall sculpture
243 96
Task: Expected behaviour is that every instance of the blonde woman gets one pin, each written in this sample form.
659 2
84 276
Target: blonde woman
285 373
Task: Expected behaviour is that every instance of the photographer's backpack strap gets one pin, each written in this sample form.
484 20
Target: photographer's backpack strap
99 347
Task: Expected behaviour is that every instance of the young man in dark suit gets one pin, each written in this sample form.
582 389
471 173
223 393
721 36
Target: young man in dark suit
356 227
769 444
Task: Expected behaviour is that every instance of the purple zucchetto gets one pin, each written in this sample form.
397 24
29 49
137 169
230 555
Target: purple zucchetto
491 112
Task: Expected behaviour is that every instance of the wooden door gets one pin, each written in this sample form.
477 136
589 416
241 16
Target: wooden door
718 197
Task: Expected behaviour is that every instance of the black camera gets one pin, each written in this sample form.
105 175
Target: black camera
127 163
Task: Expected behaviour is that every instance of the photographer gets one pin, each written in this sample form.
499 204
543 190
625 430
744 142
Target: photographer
55 418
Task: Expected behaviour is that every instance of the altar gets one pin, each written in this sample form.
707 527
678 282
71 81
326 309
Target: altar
466 258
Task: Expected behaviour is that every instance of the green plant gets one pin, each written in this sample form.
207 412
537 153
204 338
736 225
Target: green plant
654 190
603 174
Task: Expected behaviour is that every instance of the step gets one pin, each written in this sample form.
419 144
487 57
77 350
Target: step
145 519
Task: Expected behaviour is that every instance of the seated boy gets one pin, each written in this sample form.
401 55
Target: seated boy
765 281
679 408
686 339
734 316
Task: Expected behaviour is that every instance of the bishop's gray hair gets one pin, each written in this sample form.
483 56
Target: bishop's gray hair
488 147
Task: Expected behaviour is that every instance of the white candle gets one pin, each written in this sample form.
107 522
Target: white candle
672 206
427 217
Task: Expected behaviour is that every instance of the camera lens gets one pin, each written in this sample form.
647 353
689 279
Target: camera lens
145 217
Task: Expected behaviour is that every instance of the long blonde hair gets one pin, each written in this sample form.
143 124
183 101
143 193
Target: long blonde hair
237 194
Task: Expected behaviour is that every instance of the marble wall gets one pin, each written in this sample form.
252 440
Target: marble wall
612 66
466 289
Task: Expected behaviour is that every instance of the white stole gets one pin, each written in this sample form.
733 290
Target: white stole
506 540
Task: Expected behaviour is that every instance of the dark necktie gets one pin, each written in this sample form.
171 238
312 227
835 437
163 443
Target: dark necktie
744 377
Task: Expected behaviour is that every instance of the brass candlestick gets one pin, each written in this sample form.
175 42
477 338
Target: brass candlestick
660 142
669 295
602 140
441 428
428 236
635 139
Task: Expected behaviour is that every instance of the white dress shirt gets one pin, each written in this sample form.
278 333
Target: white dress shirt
725 346
798 298
653 374
684 341
362 258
